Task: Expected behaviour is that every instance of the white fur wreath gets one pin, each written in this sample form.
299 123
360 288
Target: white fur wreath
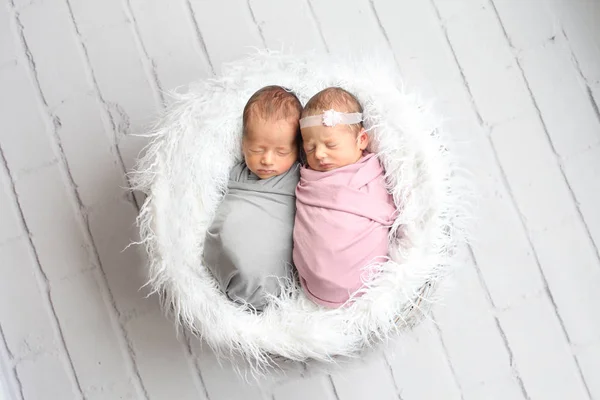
184 172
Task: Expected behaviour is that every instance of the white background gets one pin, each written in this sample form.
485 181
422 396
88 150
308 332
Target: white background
518 82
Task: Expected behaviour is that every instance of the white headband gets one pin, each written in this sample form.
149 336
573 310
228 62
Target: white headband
331 118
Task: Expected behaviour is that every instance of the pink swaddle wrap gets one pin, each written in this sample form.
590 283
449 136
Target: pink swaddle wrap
342 225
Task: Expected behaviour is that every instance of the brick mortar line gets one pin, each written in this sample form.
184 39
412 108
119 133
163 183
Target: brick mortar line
488 295
581 75
540 117
258 27
196 358
432 317
199 37
82 215
391 372
13 369
593 101
154 83
547 135
43 285
513 201
447 356
384 33
313 14
147 61
105 108
109 117
334 390
539 266
158 91
463 76
189 355
577 65
573 199
481 123
31 170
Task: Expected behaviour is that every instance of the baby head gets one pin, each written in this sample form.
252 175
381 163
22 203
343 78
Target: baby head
329 145
271 131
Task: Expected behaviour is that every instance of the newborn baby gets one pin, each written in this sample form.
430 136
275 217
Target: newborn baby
343 208
248 245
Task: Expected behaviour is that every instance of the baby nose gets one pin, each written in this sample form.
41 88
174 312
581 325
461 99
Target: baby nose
267 159
320 153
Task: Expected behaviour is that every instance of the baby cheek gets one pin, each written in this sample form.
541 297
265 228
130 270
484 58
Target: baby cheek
289 159
312 162
252 158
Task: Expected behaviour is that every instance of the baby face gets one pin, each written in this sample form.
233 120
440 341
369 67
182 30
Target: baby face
328 148
269 146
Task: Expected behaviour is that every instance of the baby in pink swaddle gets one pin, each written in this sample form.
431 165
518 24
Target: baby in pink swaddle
343 210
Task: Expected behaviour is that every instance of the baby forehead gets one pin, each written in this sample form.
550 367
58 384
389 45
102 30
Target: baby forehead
276 121
273 132
270 137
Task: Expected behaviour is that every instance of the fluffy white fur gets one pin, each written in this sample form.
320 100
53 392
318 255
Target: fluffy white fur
184 172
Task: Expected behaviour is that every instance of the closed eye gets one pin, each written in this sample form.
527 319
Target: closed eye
332 146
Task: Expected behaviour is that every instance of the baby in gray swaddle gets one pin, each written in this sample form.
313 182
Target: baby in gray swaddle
248 245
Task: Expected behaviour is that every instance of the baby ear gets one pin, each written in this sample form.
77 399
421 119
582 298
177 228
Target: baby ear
362 139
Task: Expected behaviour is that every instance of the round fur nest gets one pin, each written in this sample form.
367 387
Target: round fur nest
184 172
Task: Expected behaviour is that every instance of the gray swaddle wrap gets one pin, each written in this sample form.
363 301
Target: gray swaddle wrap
248 245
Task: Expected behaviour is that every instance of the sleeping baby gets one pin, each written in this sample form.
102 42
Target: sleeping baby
344 211
248 246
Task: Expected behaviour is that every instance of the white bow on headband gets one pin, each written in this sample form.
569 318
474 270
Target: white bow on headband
331 118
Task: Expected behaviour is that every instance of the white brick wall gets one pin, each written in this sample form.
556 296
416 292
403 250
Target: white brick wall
420 366
375 369
518 83
486 370
218 21
301 33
